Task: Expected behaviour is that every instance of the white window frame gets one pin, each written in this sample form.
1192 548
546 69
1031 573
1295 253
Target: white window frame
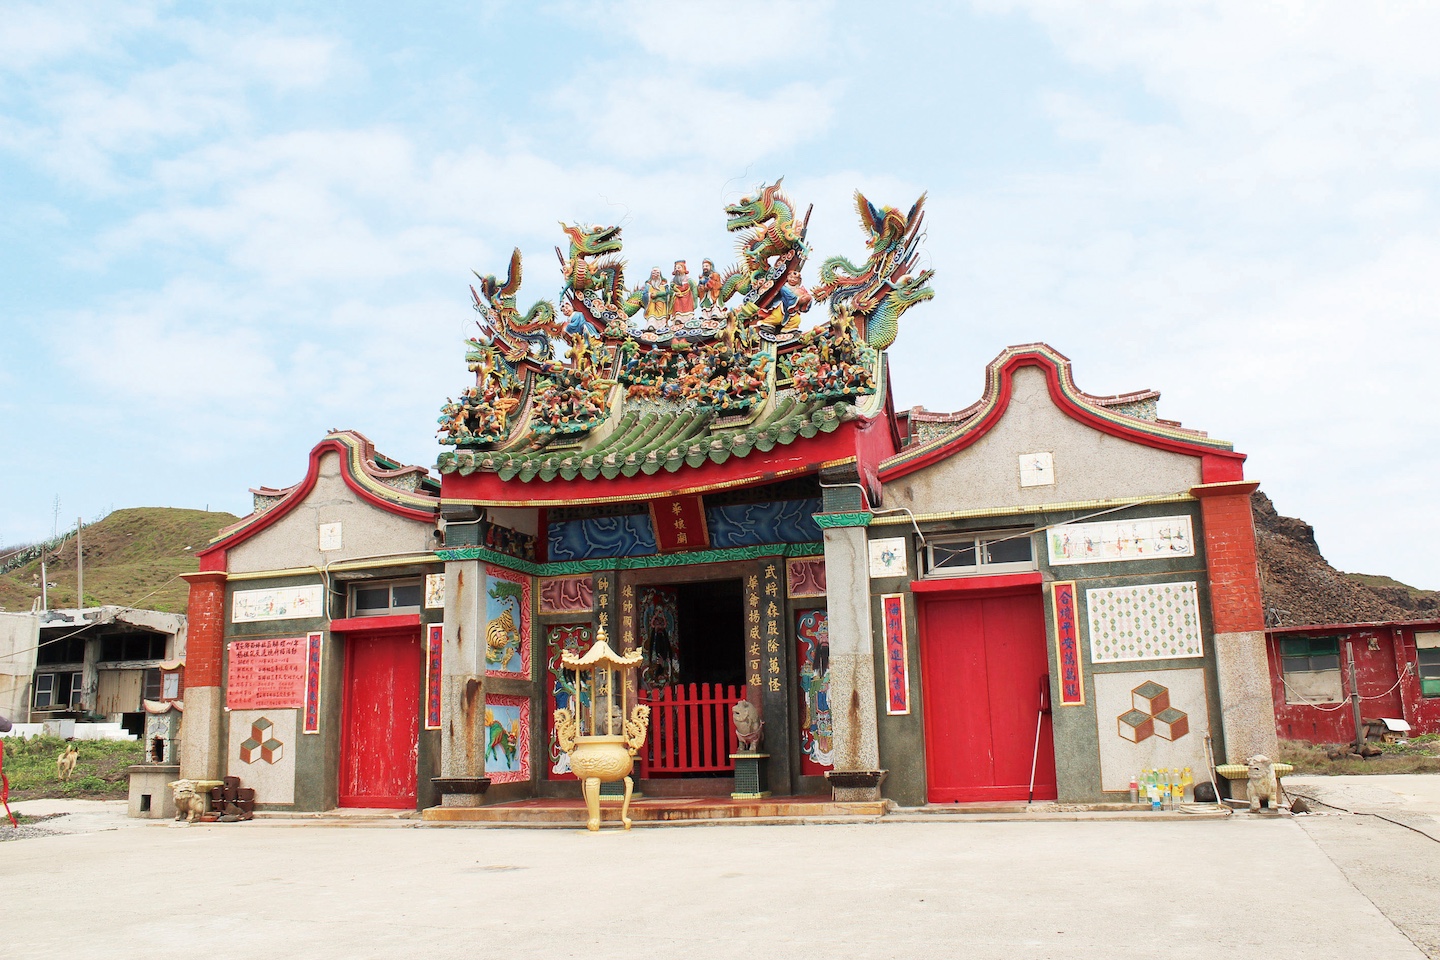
983 567
48 690
390 611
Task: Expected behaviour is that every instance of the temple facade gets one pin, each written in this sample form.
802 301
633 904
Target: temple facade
1038 596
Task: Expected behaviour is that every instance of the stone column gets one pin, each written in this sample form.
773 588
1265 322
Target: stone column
204 653
852 657
1247 710
462 691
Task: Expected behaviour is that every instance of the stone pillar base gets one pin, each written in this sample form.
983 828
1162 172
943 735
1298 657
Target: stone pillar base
461 791
855 786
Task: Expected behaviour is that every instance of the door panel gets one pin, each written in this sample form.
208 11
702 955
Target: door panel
982 660
381 731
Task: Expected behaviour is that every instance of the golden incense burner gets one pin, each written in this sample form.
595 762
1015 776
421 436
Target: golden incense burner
599 736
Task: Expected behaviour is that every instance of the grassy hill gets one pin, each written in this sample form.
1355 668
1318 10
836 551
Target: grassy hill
128 555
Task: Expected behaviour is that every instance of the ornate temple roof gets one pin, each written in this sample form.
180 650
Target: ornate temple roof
709 376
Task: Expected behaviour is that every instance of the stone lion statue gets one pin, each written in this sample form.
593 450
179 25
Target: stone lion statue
190 803
1261 786
748 725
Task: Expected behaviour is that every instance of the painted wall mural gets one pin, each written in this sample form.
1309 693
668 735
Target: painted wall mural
1151 719
805 577
277 603
1067 644
659 636
1106 541
434 591
1151 621
574 594
627 536
507 738
262 753
749 524
812 646
575 638
507 623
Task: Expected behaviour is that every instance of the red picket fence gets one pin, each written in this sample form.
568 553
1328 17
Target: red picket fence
690 730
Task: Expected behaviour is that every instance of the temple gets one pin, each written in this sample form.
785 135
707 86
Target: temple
1037 597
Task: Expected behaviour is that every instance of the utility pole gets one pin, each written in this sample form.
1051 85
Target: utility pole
44 587
1354 696
79 564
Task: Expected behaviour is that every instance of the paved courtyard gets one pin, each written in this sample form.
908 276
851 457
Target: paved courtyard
1341 885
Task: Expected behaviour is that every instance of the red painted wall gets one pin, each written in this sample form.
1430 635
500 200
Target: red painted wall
205 631
1376 672
1230 557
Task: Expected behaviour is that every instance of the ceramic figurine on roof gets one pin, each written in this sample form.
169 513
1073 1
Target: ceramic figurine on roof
772 246
680 371
518 337
876 294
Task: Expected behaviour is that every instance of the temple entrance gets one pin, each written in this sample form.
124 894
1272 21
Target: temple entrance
694 673
380 733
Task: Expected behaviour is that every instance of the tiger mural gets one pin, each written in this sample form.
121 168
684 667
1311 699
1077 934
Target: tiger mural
502 639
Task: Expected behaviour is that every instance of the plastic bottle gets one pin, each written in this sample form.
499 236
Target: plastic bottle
1134 790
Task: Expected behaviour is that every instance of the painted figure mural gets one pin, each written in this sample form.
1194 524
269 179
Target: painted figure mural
507 623
574 638
812 636
659 636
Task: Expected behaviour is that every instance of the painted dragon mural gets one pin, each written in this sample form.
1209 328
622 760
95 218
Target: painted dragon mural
727 340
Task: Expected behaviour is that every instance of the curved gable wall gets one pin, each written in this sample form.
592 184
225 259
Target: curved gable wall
294 539
1089 464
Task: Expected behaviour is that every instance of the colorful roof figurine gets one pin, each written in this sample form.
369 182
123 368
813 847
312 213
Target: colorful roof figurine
685 372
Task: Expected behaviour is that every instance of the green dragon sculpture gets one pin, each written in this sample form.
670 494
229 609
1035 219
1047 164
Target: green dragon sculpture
501 324
874 296
594 275
772 244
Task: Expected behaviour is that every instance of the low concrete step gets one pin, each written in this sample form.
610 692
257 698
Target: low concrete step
659 810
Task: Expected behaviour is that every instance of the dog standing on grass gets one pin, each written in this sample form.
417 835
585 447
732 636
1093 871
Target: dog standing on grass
65 763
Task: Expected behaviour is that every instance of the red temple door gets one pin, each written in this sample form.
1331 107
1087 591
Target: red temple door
982 659
380 733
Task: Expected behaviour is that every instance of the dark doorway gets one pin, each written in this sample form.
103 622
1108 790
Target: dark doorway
712 632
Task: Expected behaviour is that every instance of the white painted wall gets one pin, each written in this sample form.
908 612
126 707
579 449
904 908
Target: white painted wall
366 530
1089 464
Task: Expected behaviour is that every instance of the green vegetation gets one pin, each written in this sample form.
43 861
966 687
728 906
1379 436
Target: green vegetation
1375 580
99 771
1419 755
132 558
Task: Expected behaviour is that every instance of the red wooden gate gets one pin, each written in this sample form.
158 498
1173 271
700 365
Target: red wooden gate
380 736
690 730
982 658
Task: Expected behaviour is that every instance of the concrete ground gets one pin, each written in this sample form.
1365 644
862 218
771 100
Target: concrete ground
1330 884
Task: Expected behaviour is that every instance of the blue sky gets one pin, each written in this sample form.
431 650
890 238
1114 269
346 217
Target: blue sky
226 229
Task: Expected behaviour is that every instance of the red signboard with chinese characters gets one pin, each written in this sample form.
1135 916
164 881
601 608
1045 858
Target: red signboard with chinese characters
897 666
1067 645
267 674
434 651
679 524
314 645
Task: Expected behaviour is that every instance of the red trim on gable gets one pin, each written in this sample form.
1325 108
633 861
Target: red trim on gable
297 495
1216 462
1000 581
374 624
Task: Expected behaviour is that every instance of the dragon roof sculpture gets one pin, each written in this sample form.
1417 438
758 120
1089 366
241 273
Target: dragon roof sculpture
685 369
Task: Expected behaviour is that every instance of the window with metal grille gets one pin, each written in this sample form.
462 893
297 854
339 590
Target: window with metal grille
1427 657
1311 669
